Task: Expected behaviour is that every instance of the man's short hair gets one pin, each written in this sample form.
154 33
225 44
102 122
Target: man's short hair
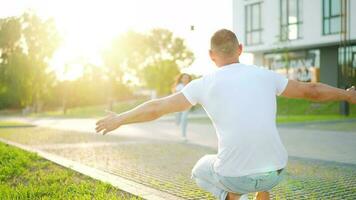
224 42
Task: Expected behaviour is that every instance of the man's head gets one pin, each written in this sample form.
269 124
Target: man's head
224 47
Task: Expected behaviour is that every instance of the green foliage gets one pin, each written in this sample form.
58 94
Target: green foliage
167 55
41 37
16 82
154 58
164 46
126 53
26 176
10 55
10 32
124 56
160 76
28 42
42 40
92 88
26 45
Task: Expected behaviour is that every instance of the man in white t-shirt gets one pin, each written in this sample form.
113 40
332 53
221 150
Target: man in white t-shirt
241 102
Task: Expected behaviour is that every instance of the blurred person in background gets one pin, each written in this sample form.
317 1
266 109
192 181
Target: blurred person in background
182 117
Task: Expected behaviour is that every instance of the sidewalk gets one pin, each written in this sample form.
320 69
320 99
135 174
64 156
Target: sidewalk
300 141
166 164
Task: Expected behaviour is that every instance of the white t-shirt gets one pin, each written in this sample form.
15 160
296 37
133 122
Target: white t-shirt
179 87
241 102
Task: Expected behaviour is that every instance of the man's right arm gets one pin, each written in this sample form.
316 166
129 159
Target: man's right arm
318 92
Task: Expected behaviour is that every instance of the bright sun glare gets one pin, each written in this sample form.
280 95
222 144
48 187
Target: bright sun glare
88 26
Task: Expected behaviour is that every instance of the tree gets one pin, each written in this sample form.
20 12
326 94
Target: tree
10 32
126 55
42 39
167 56
26 45
164 46
154 58
14 85
160 76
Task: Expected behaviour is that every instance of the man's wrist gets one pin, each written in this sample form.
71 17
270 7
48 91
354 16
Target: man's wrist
120 119
117 120
349 95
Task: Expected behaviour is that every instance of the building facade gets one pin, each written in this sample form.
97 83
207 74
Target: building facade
307 40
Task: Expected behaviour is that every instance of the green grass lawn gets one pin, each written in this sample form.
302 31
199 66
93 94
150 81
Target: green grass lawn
25 175
13 124
297 110
311 118
303 107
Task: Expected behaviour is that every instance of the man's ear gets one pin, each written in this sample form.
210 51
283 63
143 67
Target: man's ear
212 56
240 49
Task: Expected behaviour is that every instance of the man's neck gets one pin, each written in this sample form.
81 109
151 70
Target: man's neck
228 63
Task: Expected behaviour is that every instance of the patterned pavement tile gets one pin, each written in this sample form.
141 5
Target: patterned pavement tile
166 166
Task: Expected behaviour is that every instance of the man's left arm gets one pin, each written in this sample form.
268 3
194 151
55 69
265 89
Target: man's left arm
147 111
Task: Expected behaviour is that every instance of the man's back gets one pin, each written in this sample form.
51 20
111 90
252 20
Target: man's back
241 101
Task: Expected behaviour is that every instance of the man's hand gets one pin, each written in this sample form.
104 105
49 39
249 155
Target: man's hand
147 111
109 123
352 92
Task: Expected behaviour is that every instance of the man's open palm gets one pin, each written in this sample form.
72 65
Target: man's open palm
107 124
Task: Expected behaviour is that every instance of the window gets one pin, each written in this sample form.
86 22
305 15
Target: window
331 17
253 26
291 19
347 64
303 65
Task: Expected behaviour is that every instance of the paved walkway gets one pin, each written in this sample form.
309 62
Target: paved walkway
165 165
301 142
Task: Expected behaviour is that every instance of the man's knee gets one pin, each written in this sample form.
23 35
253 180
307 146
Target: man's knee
201 183
203 167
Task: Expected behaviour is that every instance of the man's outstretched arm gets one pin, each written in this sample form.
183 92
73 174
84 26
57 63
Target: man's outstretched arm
318 92
147 111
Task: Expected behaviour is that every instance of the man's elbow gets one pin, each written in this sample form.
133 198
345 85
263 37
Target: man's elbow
157 109
154 109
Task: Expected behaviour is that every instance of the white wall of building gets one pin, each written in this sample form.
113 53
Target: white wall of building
239 19
352 12
312 17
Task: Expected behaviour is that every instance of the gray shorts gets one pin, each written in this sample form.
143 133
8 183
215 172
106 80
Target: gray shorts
206 178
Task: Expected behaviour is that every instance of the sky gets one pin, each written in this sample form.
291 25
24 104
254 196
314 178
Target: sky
88 26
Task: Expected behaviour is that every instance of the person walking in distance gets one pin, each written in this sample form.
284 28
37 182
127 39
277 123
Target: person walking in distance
240 99
182 117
